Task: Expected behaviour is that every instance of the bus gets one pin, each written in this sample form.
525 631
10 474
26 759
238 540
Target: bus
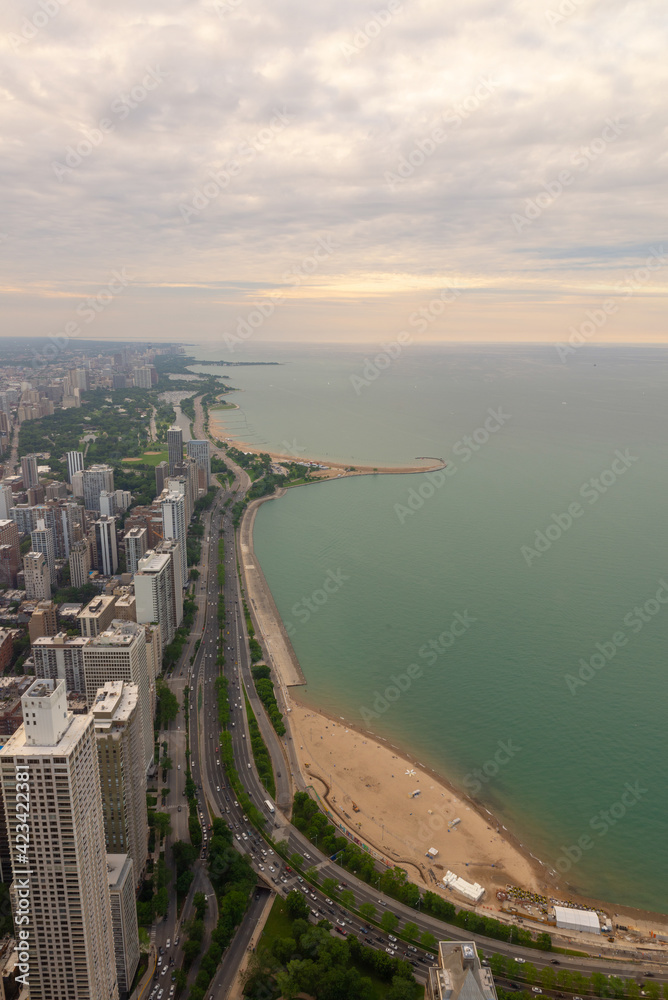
269 806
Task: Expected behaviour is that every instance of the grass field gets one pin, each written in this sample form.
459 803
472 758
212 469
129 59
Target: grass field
148 458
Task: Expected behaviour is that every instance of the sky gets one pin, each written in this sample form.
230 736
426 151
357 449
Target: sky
208 171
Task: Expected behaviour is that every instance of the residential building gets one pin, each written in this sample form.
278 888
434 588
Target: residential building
120 870
75 463
43 540
174 526
199 450
95 480
459 974
105 543
142 376
108 505
70 941
79 562
174 447
7 637
155 593
36 494
136 545
77 483
60 657
56 491
161 476
10 564
153 637
9 532
122 773
126 607
119 653
180 483
29 471
123 499
43 621
7 501
37 576
96 616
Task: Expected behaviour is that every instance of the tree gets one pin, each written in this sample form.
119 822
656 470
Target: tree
368 911
401 989
312 874
389 921
544 941
348 899
160 821
329 888
428 941
296 860
283 949
411 931
166 763
296 905
200 904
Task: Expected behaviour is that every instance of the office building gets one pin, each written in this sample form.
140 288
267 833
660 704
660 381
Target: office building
120 870
7 501
108 506
174 526
95 480
136 545
96 616
161 476
126 607
70 943
37 576
56 491
36 494
79 562
180 483
75 463
10 553
122 773
142 377
77 484
199 450
119 653
156 591
29 471
459 974
105 543
174 447
60 657
43 540
43 621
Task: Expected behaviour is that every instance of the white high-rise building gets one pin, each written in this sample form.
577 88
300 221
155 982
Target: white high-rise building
60 657
136 544
122 775
29 471
6 501
75 463
37 576
105 541
60 875
108 505
174 447
77 484
199 450
174 526
142 376
79 562
119 654
95 480
42 540
155 593
120 870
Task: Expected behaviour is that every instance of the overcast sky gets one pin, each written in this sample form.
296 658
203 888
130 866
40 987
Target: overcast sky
352 160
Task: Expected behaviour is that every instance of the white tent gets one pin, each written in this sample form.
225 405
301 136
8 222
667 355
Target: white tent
577 920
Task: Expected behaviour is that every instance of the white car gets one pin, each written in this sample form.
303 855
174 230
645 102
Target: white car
169 944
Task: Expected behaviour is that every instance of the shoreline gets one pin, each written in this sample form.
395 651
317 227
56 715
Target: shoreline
289 677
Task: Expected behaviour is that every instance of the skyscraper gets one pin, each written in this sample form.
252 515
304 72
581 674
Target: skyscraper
136 544
122 774
37 576
120 870
174 447
6 501
62 870
105 542
161 475
96 479
119 653
199 450
75 463
155 593
42 540
174 526
60 657
108 505
29 471
79 562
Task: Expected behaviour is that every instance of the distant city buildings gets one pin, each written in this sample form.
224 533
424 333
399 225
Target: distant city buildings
29 471
37 576
75 463
105 541
136 545
43 540
199 450
161 476
95 480
174 526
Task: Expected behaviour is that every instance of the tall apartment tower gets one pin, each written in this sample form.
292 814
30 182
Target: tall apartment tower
174 447
37 576
174 526
42 540
52 758
108 503
105 543
122 775
43 621
79 562
199 450
119 654
180 484
77 483
120 870
7 501
95 480
161 477
59 657
136 545
156 593
29 471
75 463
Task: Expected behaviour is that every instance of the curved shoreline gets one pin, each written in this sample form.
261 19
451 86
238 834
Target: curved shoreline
269 624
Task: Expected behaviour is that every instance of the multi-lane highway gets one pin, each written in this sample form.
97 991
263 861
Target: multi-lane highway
216 798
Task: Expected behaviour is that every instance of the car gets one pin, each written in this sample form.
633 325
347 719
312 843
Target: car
160 960
176 941
263 851
341 931
216 749
327 900
307 856
314 912
554 961
236 803
430 958
179 808
271 868
411 947
390 951
218 763
217 788
237 836
313 895
392 938
521 961
178 767
341 923
169 944
261 867
165 970
283 878
536 989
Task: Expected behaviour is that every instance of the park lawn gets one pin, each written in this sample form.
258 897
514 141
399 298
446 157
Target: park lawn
148 458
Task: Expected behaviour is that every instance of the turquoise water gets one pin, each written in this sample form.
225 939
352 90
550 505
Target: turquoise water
407 575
